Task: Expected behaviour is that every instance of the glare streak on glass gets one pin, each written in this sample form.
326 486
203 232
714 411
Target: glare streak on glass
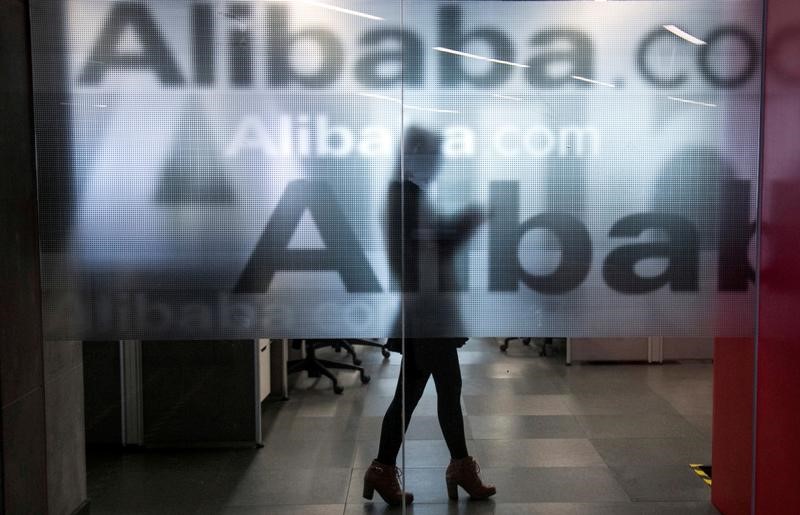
504 97
408 106
695 102
684 35
430 109
592 81
379 97
336 8
479 57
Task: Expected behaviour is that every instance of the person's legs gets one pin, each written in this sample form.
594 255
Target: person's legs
383 475
393 426
463 470
447 376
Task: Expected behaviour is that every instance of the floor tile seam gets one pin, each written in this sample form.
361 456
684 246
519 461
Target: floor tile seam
672 502
620 485
281 504
642 498
535 504
682 387
539 438
623 413
349 482
701 438
550 469
638 397
665 399
311 438
527 438
564 445
283 467
344 467
616 437
516 415
614 474
208 505
517 468
619 470
676 414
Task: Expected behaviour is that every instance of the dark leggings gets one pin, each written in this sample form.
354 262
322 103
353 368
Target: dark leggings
447 378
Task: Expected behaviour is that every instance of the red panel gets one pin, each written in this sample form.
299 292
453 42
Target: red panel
732 438
777 465
778 394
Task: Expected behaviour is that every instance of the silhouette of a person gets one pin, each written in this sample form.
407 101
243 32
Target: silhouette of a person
421 245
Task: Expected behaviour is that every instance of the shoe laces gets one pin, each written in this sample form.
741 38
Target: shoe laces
398 472
476 466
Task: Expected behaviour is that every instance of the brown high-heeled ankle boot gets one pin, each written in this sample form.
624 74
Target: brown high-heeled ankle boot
386 480
466 474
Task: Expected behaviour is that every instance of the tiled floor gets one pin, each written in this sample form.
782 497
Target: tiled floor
556 440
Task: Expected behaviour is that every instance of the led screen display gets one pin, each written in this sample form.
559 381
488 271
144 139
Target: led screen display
378 168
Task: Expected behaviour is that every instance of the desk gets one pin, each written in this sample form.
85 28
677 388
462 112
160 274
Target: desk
177 393
278 374
653 349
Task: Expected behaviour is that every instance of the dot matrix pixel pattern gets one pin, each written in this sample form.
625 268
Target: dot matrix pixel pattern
226 169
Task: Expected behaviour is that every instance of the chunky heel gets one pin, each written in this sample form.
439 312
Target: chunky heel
368 492
464 473
452 491
385 479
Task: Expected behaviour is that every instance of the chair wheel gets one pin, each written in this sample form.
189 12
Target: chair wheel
337 389
504 347
365 379
356 361
385 353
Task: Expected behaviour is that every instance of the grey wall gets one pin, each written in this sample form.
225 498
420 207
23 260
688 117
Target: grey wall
64 426
21 347
43 458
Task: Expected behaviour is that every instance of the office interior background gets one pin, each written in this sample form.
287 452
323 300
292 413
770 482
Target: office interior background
207 248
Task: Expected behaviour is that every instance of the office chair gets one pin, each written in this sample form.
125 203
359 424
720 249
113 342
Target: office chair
317 367
504 346
348 345
338 345
546 344
366 343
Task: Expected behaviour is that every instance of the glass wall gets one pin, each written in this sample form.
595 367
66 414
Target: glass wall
585 170
224 169
425 172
